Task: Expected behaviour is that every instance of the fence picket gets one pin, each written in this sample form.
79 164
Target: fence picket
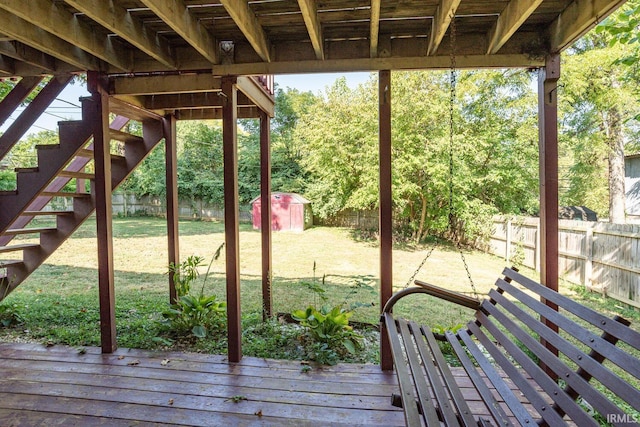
603 257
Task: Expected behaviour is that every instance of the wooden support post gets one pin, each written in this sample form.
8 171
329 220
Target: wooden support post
102 194
386 216
231 216
548 144
588 263
171 160
265 213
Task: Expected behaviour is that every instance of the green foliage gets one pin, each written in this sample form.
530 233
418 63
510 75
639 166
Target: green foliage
328 332
495 149
10 314
597 104
7 180
198 313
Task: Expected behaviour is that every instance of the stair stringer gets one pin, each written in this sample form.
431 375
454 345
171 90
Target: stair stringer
135 153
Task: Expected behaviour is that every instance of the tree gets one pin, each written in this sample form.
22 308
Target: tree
598 105
494 159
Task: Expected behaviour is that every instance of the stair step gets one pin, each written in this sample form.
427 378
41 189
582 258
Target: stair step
63 194
81 175
44 213
47 146
14 248
10 263
27 170
15 231
85 152
124 136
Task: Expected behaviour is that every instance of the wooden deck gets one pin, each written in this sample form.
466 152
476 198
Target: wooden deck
61 385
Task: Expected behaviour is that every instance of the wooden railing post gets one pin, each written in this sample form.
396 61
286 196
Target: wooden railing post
386 213
231 220
104 210
548 144
265 213
171 163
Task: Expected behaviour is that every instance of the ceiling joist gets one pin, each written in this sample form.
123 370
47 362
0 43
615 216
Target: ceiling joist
247 21
309 10
39 39
441 21
578 18
177 83
511 18
118 20
175 14
252 89
62 23
374 31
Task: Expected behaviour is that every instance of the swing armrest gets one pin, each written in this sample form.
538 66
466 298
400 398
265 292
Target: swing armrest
429 289
449 295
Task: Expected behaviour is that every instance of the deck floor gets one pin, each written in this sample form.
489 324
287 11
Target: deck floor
62 385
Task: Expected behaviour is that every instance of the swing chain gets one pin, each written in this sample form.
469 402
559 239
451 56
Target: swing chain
415 273
452 101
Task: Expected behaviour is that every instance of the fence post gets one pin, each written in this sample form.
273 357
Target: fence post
537 247
588 265
507 249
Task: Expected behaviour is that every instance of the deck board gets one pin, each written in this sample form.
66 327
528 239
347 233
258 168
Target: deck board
60 385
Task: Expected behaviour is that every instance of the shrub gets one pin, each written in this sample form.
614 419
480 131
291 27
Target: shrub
195 313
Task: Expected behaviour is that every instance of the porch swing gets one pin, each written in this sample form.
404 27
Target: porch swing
509 353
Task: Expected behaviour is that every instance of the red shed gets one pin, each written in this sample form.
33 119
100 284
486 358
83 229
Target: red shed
289 211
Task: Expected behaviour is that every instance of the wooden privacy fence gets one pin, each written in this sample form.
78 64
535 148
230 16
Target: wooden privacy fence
601 256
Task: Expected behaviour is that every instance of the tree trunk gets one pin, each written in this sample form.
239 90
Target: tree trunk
616 168
423 215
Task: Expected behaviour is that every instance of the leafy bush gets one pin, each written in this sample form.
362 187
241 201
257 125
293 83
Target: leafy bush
328 333
9 315
195 313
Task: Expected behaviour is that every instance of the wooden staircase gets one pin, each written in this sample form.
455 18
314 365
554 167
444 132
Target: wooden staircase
57 165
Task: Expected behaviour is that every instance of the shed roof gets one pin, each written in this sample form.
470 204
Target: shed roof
296 197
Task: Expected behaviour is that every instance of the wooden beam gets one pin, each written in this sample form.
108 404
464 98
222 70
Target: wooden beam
511 18
231 218
441 21
116 18
176 15
216 113
257 94
64 24
18 94
154 85
171 169
31 56
386 207
309 9
548 146
7 65
374 30
578 18
246 20
265 213
183 101
32 112
369 64
102 193
34 36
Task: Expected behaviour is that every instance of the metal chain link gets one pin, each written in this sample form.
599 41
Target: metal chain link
452 87
415 273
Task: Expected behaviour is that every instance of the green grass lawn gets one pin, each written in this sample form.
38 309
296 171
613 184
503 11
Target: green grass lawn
59 302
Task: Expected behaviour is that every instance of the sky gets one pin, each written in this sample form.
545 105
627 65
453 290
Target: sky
67 105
